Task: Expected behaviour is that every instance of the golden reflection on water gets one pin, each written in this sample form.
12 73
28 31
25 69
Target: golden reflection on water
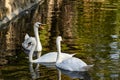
96 22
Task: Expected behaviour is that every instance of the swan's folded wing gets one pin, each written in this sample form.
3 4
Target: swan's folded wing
72 64
51 57
88 67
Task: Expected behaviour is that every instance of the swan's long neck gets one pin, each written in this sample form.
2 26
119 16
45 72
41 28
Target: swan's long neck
59 74
58 44
39 46
31 53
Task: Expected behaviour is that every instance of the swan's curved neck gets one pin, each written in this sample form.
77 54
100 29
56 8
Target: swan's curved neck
59 75
58 44
31 53
39 46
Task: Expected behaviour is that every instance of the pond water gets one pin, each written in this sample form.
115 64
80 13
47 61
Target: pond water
97 42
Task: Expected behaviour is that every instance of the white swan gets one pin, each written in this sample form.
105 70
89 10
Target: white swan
46 58
38 48
70 64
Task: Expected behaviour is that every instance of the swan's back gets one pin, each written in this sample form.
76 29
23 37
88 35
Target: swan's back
72 64
51 57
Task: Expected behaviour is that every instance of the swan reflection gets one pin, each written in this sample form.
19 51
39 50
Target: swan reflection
84 75
35 72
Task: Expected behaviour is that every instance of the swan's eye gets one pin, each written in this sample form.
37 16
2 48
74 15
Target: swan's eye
29 43
39 24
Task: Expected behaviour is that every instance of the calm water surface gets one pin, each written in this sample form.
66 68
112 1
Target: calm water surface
97 43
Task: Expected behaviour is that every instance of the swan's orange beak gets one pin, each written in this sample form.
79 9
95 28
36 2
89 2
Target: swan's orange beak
42 26
63 41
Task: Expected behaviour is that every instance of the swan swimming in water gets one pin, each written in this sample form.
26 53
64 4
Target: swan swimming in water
70 64
38 48
46 58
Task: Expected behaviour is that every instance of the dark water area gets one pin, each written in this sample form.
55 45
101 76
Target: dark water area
96 41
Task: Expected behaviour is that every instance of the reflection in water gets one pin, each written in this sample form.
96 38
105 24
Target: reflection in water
113 45
115 51
114 56
96 21
114 36
35 73
49 65
74 74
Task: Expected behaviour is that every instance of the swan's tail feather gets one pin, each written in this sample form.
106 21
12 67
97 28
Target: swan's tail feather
73 54
88 67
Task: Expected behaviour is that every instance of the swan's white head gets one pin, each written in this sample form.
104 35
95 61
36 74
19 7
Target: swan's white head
24 44
37 24
31 42
59 38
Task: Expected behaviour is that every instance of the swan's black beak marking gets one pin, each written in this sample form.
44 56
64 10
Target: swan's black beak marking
29 44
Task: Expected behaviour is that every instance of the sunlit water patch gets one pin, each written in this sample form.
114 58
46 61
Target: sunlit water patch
97 42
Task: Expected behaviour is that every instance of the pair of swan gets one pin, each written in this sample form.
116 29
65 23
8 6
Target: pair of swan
46 58
70 64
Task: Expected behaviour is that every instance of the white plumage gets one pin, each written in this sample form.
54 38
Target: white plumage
51 57
46 58
70 64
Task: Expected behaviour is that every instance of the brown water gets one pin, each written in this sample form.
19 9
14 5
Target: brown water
96 22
